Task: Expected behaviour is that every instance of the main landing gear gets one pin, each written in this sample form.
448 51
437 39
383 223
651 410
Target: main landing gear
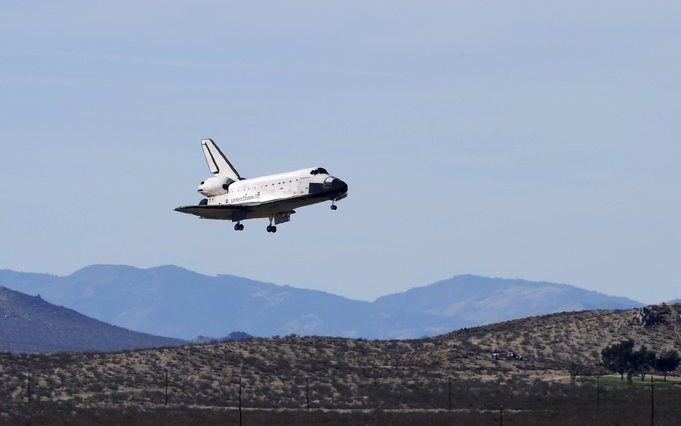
238 227
334 206
271 228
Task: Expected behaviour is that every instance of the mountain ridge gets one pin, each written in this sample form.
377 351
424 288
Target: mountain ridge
178 302
171 300
484 296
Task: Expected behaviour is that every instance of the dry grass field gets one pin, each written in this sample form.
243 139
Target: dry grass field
335 373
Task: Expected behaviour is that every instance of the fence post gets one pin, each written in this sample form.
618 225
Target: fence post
449 393
307 392
652 401
28 386
239 400
501 416
598 391
166 386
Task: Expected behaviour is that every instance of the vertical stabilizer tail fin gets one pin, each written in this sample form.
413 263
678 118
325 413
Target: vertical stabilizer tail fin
218 164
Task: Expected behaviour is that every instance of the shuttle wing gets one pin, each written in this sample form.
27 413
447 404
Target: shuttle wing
241 211
216 212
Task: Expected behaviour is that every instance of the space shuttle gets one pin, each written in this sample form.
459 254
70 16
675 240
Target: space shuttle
228 196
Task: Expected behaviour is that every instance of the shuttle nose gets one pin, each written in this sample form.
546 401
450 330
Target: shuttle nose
339 185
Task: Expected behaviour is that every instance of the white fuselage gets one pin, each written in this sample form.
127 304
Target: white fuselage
276 187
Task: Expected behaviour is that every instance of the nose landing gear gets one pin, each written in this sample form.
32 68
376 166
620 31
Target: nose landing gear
238 227
334 206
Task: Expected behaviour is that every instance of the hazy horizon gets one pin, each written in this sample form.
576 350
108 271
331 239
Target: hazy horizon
492 138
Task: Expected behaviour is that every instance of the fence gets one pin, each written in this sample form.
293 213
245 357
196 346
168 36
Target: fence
161 386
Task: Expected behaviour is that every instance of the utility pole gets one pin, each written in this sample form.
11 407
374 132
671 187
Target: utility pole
166 386
307 392
449 393
501 416
598 391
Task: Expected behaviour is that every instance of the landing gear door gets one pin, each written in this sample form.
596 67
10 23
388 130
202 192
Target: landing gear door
282 217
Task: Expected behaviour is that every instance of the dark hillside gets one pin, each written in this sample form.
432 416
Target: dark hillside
29 324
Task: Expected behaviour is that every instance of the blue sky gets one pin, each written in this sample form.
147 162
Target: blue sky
517 139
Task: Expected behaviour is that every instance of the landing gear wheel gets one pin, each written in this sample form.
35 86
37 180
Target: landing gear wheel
334 207
270 227
238 227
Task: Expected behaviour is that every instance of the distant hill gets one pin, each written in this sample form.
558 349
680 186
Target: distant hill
481 300
176 302
349 372
30 324
675 301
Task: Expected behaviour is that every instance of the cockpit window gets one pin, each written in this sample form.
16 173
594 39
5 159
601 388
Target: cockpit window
319 170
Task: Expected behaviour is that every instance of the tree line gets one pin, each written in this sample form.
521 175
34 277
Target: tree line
621 358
